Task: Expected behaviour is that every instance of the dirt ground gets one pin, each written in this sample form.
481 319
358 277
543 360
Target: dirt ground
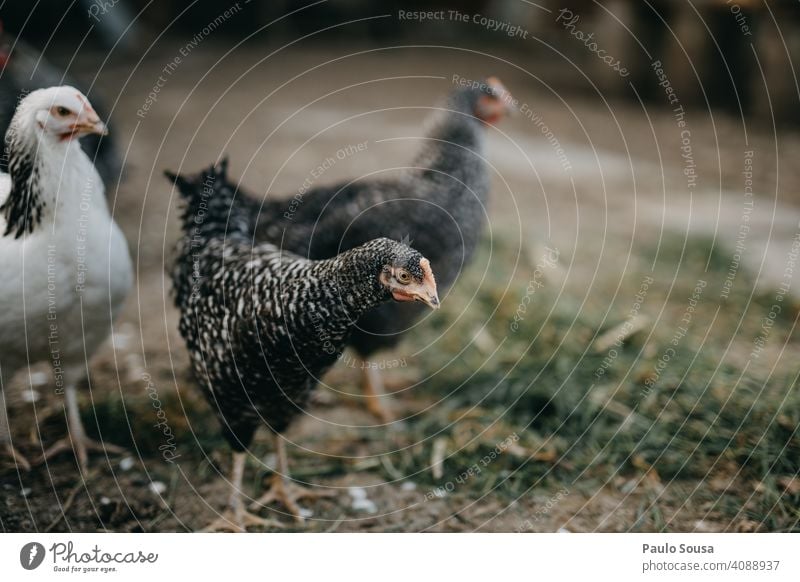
279 114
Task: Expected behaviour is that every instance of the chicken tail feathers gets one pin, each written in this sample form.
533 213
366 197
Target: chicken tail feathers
213 204
179 180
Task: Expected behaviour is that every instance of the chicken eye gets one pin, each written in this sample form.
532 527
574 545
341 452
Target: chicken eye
404 277
63 111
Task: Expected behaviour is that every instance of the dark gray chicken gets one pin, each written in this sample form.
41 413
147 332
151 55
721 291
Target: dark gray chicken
439 204
262 324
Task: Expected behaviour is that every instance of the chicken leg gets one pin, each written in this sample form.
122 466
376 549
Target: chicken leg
5 437
282 490
373 392
236 518
76 439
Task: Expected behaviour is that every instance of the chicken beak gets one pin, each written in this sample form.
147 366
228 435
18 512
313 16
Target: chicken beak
89 123
94 126
428 293
509 104
431 300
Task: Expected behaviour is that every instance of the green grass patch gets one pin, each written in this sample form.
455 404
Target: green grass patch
683 400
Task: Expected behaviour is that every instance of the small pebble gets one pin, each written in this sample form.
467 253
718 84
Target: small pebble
357 492
104 500
360 500
26 491
30 395
39 378
127 464
364 505
157 487
408 486
306 512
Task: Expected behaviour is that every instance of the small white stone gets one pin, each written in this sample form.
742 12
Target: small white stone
104 500
30 395
563 530
39 378
127 464
365 505
357 492
26 491
157 487
306 513
408 486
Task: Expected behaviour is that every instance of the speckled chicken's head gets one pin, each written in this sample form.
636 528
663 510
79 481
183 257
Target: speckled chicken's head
489 100
59 114
407 275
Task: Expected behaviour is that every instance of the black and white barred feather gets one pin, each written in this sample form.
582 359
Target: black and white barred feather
261 324
24 205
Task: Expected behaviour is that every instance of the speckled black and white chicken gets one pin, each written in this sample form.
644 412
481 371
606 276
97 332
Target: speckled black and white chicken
438 203
66 266
262 324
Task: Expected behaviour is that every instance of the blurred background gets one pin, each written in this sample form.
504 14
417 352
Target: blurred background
654 153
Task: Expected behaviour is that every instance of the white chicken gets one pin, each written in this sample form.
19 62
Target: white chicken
66 265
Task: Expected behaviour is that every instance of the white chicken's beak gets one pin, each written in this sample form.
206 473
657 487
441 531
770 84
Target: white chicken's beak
89 122
93 125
